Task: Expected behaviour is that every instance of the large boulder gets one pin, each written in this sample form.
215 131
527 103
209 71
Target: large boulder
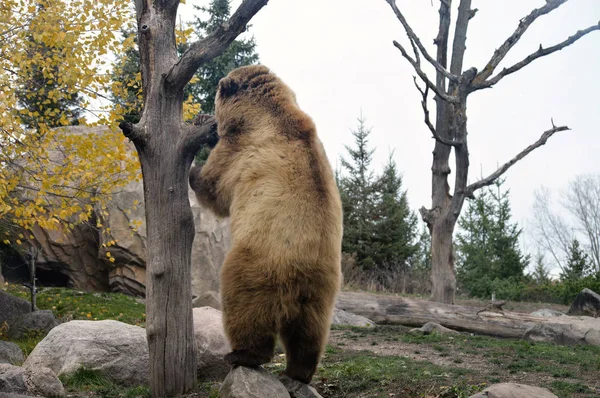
513 390
586 303
211 344
42 321
243 382
561 330
81 254
118 350
345 318
11 379
12 307
10 353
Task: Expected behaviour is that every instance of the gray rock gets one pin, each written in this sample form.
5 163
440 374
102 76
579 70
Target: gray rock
547 313
42 381
513 390
586 303
208 299
42 321
11 379
297 389
432 327
341 317
561 330
119 351
243 382
11 306
10 353
211 344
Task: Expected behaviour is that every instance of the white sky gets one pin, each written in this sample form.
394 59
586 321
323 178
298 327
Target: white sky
337 55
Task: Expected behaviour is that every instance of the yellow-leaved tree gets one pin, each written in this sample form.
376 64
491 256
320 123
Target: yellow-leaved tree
54 56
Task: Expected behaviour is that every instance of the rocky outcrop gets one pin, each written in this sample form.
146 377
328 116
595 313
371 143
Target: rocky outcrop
82 254
207 299
431 328
211 344
10 353
12 307
244 382
586 303
513 390
42 321
345 318
564 330
119 351
39 381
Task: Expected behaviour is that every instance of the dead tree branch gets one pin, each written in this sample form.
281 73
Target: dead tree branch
213 45
424 94
489 180
415 39
509 43
541 52
423 76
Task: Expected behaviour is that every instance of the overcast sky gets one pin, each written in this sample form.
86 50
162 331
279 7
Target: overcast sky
337 55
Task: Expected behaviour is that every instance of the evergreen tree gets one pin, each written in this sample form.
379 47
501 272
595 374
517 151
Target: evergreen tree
395 224
358 193
126 74
578 264
540 274
488 244
36 82
239 53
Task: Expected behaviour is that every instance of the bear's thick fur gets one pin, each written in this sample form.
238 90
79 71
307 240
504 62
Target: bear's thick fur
270 174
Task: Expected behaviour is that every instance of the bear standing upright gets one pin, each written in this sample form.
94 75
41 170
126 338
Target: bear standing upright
270 174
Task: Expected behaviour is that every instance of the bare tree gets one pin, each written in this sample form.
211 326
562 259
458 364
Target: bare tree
553 233
166 147
451 88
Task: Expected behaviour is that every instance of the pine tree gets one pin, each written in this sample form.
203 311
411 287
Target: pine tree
239 53
126 73
578 265
488 243
395 224
357 190
540 274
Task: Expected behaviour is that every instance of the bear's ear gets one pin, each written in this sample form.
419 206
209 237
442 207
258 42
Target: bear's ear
227 87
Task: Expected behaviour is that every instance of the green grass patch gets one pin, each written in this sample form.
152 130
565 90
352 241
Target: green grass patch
565 389
350 374
93 381
70 304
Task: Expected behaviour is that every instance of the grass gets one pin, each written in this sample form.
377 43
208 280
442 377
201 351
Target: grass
86 380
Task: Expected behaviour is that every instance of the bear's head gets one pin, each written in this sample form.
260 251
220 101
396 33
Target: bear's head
250 93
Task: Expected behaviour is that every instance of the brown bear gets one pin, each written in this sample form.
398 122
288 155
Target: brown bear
269 173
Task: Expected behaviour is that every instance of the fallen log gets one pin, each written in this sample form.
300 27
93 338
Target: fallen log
388 309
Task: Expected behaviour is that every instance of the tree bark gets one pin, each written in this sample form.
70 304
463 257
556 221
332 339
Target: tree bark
166 147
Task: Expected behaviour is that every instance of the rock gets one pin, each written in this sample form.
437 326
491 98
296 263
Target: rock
119 351
341 317
513 390
11 307
243 382
547 313
10 353
11 379
208 299
211 344
297 389
42 321
81 255
42 381
563 331
432 327
586 303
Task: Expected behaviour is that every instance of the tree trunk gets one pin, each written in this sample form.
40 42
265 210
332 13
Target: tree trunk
387 309
443 277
